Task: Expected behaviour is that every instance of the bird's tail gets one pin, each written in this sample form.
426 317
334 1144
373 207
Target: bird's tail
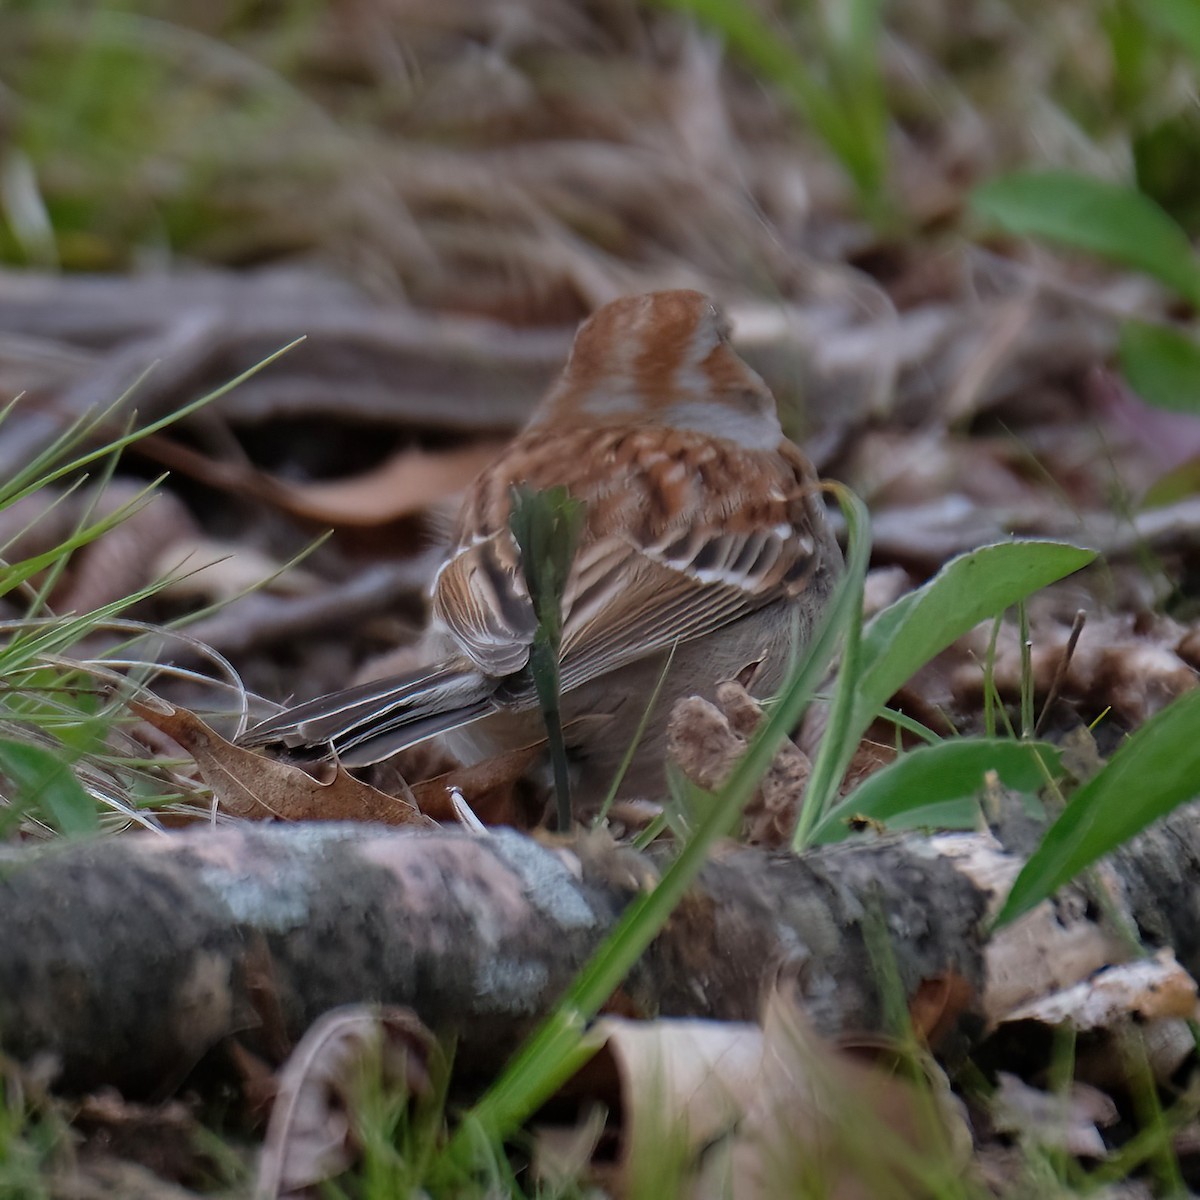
372 721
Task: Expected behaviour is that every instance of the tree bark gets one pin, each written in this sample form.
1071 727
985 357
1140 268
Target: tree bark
131 959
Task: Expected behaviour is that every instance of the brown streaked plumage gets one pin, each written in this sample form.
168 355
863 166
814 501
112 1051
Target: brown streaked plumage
703 531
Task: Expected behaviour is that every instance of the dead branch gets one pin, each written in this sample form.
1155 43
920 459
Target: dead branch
393 364
263 619
129 960
923 536
384 364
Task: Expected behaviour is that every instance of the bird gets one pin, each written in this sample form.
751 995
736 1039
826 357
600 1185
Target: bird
704 554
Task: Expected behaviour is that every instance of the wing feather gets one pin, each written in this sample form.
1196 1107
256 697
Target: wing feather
694 549
481 599
648 606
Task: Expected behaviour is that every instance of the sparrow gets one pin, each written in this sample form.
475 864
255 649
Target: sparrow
705 553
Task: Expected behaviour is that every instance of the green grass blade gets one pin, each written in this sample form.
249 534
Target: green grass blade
912 725
15 574
40 601
54 635
936 775
840 738
635 742
1027 687
1117 223
117 444
77 432
989 678
844 103
1157 769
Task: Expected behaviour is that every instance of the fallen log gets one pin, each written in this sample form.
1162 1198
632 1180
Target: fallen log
128 960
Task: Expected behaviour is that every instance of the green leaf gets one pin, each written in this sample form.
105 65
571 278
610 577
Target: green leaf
1117 223
907 634
960 814
546 526
905 792
1162 365
967 590
43 783
1157 769
1176 484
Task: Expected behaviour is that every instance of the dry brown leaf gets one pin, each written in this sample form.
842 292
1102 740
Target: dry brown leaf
99 1176
826 1123
311 1134
773 1111
1154 998
702 743
205 570
1051 948
251 785
406 483
1071 1122
706 740
1150 989
1127 663
937 1005
163 1138
117 563
676 1087
256 1082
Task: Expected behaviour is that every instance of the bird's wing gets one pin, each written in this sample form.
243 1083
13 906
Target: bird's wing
678 541
640 600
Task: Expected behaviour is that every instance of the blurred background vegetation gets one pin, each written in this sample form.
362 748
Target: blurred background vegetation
469 155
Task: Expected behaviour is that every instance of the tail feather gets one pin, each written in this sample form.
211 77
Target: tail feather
372 721
372 743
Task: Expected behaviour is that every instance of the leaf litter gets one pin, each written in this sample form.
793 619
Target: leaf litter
501 185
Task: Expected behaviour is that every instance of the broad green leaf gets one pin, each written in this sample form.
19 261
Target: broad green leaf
935 775
1115 222
1157 769
43 783
907 634
946 815
1177 484
967 590
1162 365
